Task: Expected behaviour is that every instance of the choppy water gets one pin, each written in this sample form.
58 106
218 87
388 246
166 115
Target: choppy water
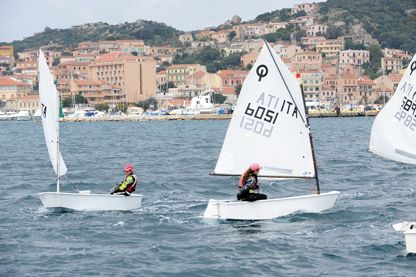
168 236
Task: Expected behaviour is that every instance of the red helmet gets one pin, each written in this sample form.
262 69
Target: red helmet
128 168
255 166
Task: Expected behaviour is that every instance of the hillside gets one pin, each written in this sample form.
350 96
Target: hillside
151 32
392 23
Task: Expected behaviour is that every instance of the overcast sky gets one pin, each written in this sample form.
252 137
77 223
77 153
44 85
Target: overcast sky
23 18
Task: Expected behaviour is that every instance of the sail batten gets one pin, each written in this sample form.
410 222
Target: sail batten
268 125
49 102
393 135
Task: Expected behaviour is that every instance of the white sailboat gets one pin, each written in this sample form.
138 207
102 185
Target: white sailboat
83 200
393 135
269 127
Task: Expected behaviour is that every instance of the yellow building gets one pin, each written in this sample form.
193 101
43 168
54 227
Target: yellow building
11 89
329 47
6 55
180 74
136 76
29 103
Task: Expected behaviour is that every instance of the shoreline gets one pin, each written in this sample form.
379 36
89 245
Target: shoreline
313 114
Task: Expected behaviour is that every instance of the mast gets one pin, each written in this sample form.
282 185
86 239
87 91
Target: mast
57 146
318 190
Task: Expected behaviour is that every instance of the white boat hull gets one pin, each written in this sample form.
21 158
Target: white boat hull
85 201
270 208
409 230
410 238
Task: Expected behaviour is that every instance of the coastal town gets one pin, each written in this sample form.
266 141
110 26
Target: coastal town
129 76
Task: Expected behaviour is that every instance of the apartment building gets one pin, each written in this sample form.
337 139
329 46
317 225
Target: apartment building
395 53
367 90
348 89
248 59
316 29
329 47
302 22
132 46
287 51
7 55
393 65
221 36
354 57
309 43
11 89
135 76
97 92
164 50
29 103
305 7
249 30
307 62
180 74
72 69
232 78
32 56
272 27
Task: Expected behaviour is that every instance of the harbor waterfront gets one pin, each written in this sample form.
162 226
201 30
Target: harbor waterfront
315 114
168 235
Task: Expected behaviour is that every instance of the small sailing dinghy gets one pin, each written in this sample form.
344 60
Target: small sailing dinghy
393 135
84 200
269 127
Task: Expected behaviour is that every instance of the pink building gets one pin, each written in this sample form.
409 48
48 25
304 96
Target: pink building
232 78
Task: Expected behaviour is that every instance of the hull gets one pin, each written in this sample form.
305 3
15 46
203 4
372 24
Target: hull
409 230
270 208
85 201
410 238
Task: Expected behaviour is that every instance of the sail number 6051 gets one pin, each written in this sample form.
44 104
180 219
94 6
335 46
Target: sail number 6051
262 113
259 120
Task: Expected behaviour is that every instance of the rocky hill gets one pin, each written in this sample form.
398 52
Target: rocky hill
392 23
150 31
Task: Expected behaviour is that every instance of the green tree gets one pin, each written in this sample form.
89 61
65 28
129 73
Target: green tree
218 98
349 44
67 102
148 103
334 32
80 99
232 35
102 107
272 37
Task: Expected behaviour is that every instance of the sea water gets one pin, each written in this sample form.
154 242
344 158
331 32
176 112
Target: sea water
168 235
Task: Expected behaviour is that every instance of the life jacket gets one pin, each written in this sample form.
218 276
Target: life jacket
250 183
132 187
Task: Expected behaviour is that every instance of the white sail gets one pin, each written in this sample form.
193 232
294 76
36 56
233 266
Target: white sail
269 124
393 135
49 103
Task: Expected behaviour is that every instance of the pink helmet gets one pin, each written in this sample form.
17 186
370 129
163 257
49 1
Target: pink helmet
255 166
128 168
